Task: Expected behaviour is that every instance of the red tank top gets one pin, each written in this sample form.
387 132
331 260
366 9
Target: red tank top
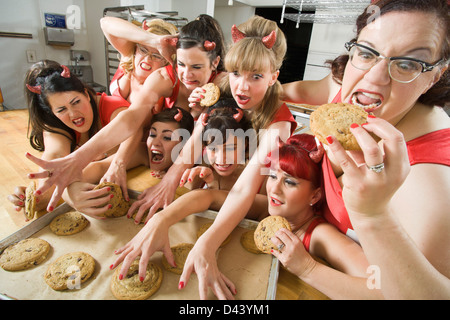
418 151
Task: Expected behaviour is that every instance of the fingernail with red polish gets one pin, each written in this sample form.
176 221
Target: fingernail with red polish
181 285
364 124
330 140
141 279
371 116
50 209
38 193
354 125
111 267
120 276
31 175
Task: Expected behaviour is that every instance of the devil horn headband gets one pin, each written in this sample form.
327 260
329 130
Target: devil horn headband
238 116
66 72
34 89
178 116
268 41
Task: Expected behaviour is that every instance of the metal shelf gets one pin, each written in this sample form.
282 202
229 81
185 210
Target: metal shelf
326 11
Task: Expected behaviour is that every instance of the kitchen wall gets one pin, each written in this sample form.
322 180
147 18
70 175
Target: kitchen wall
27 16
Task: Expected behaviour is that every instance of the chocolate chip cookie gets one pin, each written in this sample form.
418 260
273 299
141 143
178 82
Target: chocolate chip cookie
211 96
335 119
119 205
180 253
30 201
266 229
24 254
68 223
248 242
70 271
131 288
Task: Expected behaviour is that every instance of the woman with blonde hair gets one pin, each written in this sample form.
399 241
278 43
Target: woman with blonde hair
138 59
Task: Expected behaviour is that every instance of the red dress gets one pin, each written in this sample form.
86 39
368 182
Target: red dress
420 150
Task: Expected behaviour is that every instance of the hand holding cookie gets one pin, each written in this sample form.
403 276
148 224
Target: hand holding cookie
205 96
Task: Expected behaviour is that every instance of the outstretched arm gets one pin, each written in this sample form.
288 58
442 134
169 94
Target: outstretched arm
69 169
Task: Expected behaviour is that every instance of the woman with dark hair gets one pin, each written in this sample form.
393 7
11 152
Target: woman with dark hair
63 114
169 130
196 65
393 196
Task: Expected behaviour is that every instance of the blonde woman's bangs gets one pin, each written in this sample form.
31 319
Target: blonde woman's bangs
250 55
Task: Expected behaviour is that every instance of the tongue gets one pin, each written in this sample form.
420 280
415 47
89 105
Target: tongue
365 100
157 157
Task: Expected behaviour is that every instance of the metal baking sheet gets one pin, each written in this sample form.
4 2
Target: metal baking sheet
103 237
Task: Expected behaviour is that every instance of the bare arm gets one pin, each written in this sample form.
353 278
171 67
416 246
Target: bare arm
68 169
202 257
314 92
123 35
400 215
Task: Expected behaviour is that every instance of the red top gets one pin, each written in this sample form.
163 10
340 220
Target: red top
114 85
106 107
284 114
420 150
307 236
170 101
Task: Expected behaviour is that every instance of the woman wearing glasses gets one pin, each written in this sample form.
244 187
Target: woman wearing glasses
138 59
393 196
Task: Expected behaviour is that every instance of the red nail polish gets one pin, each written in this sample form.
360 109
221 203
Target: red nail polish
330 140
38 193
141 279
364 124
181 285
28 154
50 209
111 267
371 116
31 175
354 125
120 276
111 196
109 206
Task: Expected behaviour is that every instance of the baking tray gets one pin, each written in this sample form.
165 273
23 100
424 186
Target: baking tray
247 270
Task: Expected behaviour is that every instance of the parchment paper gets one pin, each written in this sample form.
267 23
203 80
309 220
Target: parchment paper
248 271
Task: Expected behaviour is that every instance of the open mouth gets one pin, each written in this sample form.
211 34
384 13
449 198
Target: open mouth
368 101
145 66
157 156
275 202
78 122
242 99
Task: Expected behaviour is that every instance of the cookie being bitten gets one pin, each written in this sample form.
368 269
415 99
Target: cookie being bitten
335 119
211 96
266 229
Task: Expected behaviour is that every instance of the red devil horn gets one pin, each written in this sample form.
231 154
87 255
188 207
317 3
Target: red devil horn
66 72
144 25
238 116
269 40
34 89
209 46
236 34
203 119
178 116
